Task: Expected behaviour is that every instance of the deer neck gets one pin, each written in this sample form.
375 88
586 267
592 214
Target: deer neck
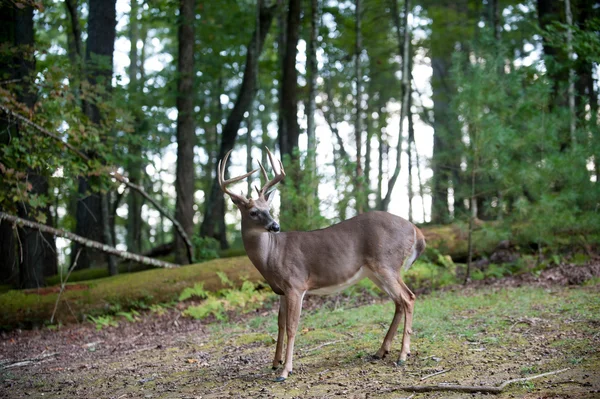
258 244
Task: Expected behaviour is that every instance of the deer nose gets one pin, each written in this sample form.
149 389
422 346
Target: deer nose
274 227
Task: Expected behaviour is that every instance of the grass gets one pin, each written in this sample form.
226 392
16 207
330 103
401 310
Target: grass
485 336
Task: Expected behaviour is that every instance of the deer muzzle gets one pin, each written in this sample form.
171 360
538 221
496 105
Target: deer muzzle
273 227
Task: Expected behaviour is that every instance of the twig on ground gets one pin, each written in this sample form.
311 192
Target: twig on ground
473 389
434 374
322 345
63 285
26 362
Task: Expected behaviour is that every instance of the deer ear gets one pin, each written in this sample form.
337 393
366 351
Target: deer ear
238 201
269 196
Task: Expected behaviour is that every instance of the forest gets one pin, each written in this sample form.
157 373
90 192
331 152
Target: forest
114 115
121 257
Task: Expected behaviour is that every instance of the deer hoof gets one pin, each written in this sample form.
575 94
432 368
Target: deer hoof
400 363
280 379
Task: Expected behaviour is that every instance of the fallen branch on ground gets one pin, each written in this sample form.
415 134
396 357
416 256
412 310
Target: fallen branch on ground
322 345
26 362
434 374
85 242
473 389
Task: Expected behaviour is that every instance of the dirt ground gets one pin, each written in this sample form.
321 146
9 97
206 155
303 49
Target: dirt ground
169 356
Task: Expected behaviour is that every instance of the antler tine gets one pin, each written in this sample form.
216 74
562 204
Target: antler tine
264 172
279 176
224 183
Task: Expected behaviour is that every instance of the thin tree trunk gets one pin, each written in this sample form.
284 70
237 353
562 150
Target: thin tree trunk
411 141
358 193
108 238
134 170
289 104
404 46
249 123
571 89
311 71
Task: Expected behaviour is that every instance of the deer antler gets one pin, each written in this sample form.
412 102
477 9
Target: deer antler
224 183
278 176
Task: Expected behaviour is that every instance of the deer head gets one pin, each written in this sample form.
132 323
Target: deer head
255 212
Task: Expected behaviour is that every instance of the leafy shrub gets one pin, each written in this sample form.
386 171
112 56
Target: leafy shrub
244 299
205 248
196 291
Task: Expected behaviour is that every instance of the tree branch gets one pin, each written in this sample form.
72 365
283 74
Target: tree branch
85 242
143 193
116 175
473 389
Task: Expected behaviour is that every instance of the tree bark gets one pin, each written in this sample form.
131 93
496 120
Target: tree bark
36 252
404 47
186 135
289 130
99 66
135 163
445 161
358 179
215 203
311 71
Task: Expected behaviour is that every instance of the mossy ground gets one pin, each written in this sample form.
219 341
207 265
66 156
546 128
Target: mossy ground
121 292
481 337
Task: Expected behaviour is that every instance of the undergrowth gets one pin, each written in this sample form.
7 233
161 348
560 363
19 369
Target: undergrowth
243 299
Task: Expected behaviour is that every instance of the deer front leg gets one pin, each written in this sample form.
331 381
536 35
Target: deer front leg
293 302
281 321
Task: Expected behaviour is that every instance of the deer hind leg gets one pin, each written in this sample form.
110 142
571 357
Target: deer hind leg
293 309
389 337
409 305
404 299
281 322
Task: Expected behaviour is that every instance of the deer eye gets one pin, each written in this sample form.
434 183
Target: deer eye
253 214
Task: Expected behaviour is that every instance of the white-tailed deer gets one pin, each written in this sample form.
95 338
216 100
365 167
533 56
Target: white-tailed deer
374 245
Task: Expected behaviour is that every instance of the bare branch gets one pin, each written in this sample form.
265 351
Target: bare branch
142 192
473 389
116 175
85 242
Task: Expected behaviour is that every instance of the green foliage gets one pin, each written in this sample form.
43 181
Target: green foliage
103 321
196 291
132 316
243 299
299 200
205 248
514 140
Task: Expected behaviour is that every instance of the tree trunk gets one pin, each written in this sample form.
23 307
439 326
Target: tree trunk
445 161
358 178
404 47
135 164
186 135
409 151
289 130
311 72
215 203
99 61
36 253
